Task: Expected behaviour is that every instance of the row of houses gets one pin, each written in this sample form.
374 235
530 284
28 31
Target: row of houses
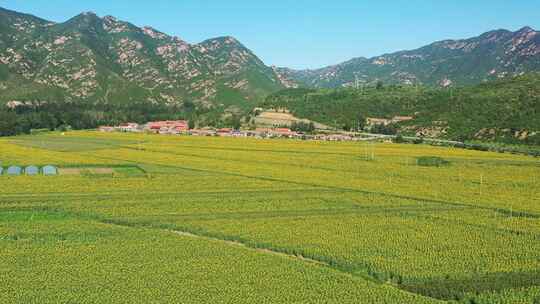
29 170
259 132
275 133
161 127
182 127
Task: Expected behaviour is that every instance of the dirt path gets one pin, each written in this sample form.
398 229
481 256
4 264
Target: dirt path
261 250
357 274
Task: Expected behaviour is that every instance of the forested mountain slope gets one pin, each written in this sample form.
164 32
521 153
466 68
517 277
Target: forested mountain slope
94 60
507 110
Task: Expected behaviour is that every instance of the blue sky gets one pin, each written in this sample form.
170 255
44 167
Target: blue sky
307 33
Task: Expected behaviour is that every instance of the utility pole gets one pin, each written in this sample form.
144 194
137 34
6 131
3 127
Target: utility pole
481 182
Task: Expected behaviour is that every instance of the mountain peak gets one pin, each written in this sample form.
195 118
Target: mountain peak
223 41
230 39
495 32
526 29
85 18
505 53
110 18
107 58
227 39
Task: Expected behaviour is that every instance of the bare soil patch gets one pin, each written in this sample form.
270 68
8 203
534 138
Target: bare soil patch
80 171
101 170
69 171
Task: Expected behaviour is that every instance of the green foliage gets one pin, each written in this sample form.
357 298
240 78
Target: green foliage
54 115
233 121
506 106
385 130
64 128
228 96
8 124
399 139
431 161
346 106
4 72
303 127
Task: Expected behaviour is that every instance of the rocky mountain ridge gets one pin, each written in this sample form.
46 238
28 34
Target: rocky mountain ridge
492 55
109 61
106 60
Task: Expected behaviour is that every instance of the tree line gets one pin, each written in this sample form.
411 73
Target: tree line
501 109
60 115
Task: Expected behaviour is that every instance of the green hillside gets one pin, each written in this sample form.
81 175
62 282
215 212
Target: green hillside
94 60
505 110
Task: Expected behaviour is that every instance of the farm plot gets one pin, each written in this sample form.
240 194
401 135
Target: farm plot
423 248
319 221
86 171
63 143
50 257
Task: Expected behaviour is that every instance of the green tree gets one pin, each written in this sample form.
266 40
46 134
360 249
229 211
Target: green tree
8 123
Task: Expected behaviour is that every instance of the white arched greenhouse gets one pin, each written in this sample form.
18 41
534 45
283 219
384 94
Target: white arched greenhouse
50 170
31 170
14 170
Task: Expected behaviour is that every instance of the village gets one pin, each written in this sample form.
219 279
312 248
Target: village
181 127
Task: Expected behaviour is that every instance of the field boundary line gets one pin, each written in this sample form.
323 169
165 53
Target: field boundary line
534 236
303 192
363 272
248 161
262 150
243 245
516 213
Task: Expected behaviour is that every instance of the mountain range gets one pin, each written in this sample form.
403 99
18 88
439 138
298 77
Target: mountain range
106 60
493 55
97 60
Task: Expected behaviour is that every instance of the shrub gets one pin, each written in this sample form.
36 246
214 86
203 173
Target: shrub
431 161
399 139
418 141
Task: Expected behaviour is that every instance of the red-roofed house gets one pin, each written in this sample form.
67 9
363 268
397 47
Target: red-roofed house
171 126
129 127
225 132
284 132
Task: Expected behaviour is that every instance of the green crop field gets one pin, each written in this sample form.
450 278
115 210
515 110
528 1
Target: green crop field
226 220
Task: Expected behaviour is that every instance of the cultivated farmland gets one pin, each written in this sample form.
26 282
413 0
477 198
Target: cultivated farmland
159 219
